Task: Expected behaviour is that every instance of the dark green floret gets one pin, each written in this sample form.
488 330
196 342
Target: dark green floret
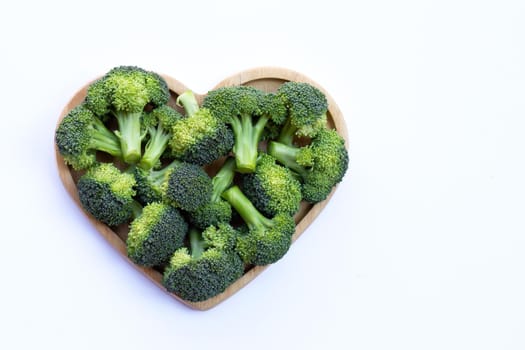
266 240
158 124
155 234
217 210
247 110
320 165
207 267
200 138
307 107
81 134
272 188
125 92
107 193
183 185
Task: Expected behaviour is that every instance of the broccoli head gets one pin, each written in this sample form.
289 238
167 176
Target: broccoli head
125 92
307 107
155 234
207 267
272 188
183 185
107 194
247 110
320 165
81 134
199 138
217 209
265 240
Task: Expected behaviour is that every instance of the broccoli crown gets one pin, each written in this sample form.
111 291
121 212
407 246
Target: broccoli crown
156 234
207 268
157 124
327 160
265 240
247 110
216 210
272 188
200 138
107 193
125 91
321 165
81 134
307 107
188 186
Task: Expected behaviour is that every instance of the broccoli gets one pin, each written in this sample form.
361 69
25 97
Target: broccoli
265 240
125 92
216 210
272 188
307 107
247 110
155 234
207 268
81 134
107 194
321 165
158 124
200 138
184 185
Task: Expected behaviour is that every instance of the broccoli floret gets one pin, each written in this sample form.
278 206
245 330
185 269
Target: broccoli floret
155 234
217 209
272 188
107 194
266 240
158 124
125 92
207 267
200 138
81 134
184 185
321 165
307 107
247 110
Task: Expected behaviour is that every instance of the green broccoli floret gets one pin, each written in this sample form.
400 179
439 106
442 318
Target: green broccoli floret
155 234
207 268
125 92
272 188
321 165
247 110
266 240
307 107
184 185
107 193
217 209
81 134
158 124
200 138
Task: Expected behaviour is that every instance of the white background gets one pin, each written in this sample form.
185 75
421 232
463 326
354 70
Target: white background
422 246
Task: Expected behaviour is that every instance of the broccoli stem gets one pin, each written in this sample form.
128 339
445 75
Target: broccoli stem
251 216
247 137
104 140
154 148
188 101
223 179
197 244
136 208
286 155
130 135
287 133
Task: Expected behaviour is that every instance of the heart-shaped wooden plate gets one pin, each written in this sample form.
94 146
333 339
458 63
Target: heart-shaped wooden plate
264 78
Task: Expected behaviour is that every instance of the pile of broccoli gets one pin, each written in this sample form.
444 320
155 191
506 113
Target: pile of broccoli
206 191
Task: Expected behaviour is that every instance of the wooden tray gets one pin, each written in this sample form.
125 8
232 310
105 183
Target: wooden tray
264 78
